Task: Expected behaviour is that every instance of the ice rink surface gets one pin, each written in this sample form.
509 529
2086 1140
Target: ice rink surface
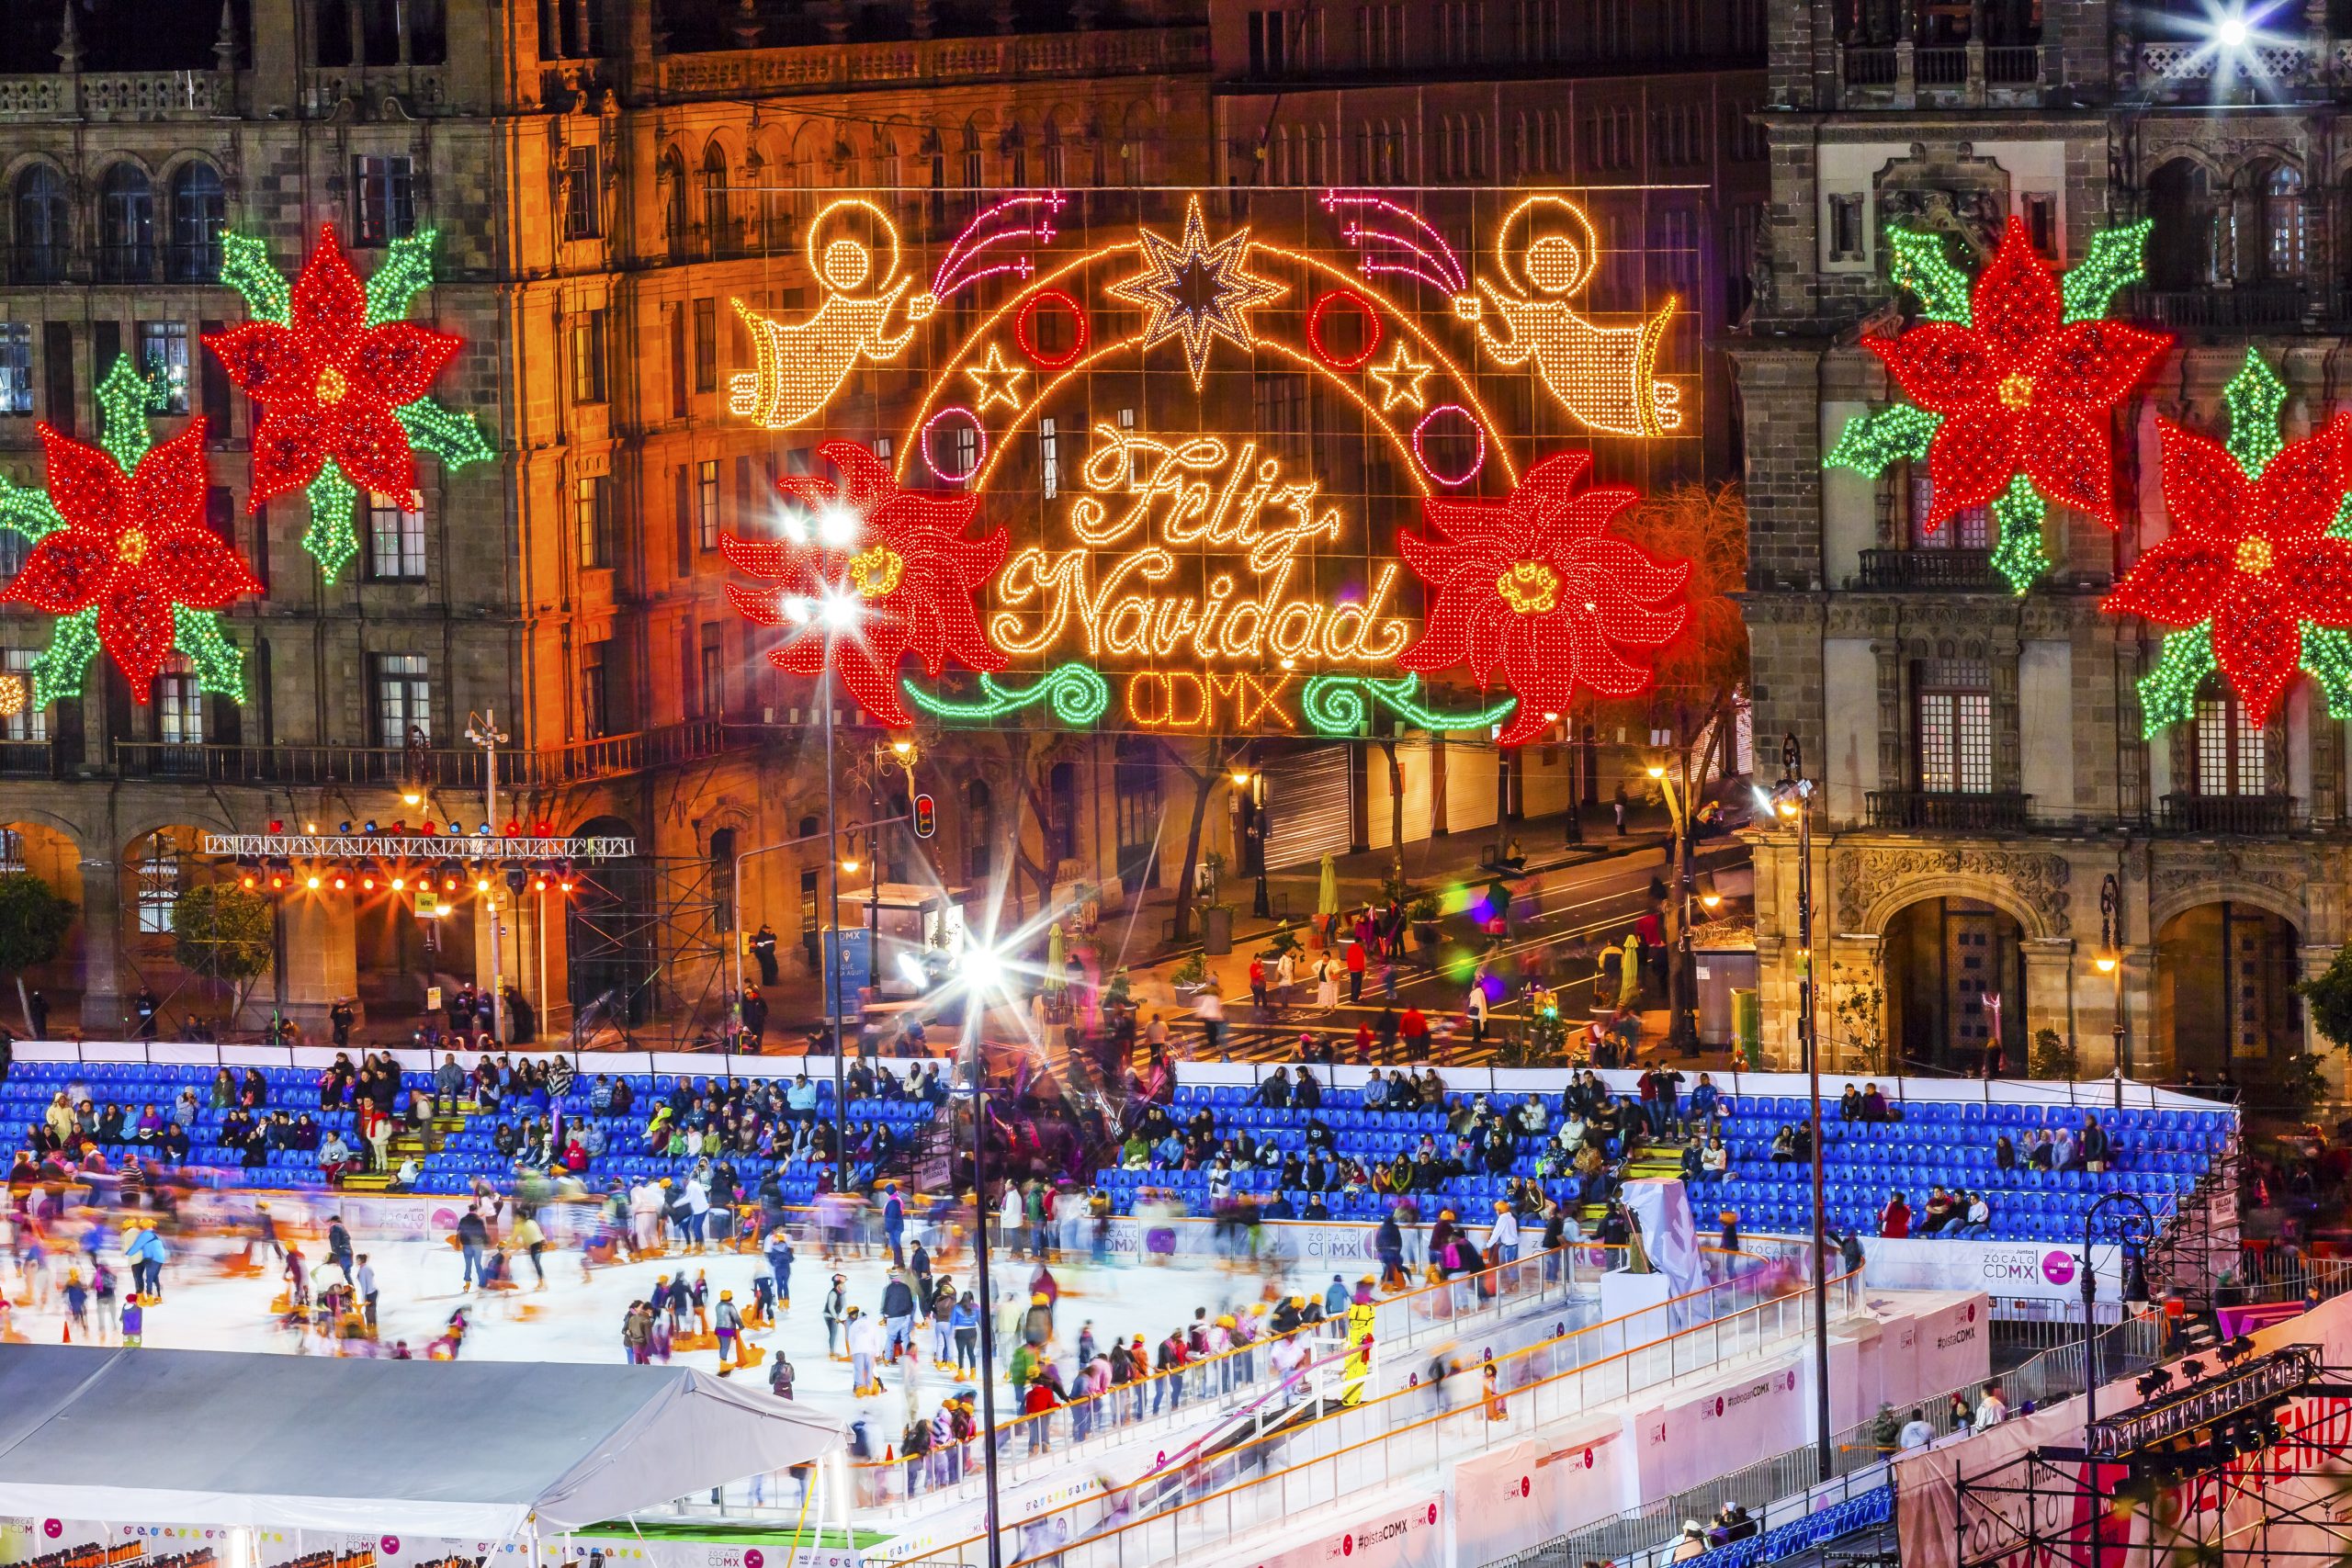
578 1316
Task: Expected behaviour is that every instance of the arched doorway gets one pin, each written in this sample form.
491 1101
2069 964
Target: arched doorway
609 933
2225 990
1954 974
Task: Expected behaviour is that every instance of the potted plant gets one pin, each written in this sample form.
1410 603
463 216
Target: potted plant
1217 916
1189 976
1422 912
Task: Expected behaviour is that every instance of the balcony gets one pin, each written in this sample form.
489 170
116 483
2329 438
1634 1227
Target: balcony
1904 74
1929 571
756 72
38 263
31 760
1937 811
387 766
2248 308
2253 816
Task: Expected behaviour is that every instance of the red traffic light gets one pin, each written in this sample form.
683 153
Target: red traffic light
926 816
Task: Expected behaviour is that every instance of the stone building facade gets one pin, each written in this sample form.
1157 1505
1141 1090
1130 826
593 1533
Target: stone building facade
1979 754
603 176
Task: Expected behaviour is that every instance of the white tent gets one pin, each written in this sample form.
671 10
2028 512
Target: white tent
479 1448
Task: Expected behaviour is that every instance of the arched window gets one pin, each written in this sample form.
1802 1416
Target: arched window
2184 245
722 878
677 221
199 207
716 234
1053 155
2278 236
1016 153
126 225
974 176
43 234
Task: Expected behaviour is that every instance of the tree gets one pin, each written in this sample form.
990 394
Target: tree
224 934
1701 670
34 918
1205 779
2330 995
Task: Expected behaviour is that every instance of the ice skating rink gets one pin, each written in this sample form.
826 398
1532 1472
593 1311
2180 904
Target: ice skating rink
577 1317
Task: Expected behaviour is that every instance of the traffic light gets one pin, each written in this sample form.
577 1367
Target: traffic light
926 816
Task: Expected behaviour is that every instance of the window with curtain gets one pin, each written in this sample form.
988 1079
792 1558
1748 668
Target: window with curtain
43 226
199 208
1954 701
2228 757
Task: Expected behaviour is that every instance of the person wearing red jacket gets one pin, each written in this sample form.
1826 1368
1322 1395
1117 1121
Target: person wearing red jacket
1894 1220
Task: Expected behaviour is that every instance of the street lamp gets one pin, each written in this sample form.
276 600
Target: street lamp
1789 803
981 970
2110 955
1682 1030
484 731
2134 1227
1251 844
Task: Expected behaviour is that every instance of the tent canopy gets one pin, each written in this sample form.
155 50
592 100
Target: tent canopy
433 1448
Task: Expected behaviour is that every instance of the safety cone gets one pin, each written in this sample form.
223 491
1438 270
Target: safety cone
887 1454
69 1333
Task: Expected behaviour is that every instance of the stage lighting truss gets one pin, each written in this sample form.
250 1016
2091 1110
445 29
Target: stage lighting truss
2233 1401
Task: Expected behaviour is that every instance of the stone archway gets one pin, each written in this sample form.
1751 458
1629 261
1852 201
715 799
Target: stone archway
2226 999
1955 981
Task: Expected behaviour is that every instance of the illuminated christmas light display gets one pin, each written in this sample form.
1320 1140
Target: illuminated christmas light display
1195 291
1535 586
341 381
16 693
2252 579
898 580
128 565
2011 383
1604 376
797 367
1165 550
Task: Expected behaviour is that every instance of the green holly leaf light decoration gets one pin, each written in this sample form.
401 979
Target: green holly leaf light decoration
342 380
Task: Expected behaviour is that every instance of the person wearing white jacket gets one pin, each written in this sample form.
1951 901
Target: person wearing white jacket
1502 1236
865 1353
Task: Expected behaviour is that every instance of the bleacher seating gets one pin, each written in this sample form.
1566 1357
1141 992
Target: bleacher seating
2158 1153
1870 1510
464 1155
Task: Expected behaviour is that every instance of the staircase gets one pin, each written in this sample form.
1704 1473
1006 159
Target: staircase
405 1145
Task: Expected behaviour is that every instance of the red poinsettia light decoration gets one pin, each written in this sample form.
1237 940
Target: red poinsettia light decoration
2021 389
1533 584
328 382
2252 556
875 572
134 546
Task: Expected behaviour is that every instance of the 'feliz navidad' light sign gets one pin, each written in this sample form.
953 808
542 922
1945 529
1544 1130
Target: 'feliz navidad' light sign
1254 461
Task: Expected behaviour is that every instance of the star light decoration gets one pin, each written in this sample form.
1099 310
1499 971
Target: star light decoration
884 572
1536 586
1196 290
122 555
1400 379
2011 385
997 381
342 380
2255 577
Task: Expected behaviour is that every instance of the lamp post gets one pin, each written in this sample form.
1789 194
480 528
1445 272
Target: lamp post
1791 802
2134 1227
1682 1030
2111 962
482 730
981 971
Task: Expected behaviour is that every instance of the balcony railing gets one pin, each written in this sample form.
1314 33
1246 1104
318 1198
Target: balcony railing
1903 75
2255 814
31 760
1938 571
391 765
2265 307
1938 811
126 263
38 263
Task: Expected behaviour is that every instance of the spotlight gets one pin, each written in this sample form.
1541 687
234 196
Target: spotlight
412 798
979 967
2192 1369
368 826
482 885
343 828
911 970
339 883
249 882
514 828
540 830
2154 1382
276 825
2231 32
839 611
482 831
313 884
836 527
400 884
311 828
2236 1350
